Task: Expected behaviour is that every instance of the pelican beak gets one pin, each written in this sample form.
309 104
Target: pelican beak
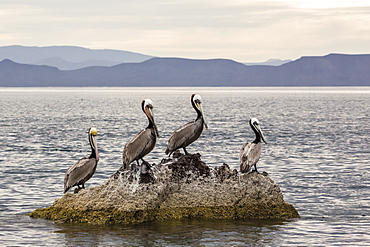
155 129
93 132
152 120
262 136
199 105
205 125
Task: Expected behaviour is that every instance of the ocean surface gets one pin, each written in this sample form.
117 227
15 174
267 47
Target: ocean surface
318 151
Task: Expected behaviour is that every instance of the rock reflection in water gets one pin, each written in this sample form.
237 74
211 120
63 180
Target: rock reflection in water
189 232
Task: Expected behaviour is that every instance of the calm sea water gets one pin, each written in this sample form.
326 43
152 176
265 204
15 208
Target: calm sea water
318 152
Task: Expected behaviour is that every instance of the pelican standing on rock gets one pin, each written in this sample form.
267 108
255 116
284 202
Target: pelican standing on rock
190 132
144 141
84 169
250 152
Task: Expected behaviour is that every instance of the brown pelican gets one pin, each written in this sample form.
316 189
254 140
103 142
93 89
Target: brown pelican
144 141
84 169
250 152
190 132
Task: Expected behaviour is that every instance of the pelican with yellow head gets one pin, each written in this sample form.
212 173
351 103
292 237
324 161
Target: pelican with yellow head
84 169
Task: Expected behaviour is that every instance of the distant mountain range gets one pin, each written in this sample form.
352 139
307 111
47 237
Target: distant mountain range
73 57
329 70
68 57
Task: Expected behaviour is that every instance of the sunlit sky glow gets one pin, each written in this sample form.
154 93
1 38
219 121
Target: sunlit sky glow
243 30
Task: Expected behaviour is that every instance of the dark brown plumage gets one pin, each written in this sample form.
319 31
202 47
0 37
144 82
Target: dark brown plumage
190 132
84 169
144 142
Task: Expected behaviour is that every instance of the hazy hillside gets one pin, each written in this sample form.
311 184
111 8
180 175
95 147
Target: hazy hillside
24 75
69 57
330 70
162 72
272 62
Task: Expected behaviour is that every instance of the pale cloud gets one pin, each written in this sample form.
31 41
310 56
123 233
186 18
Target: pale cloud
237 29
327 4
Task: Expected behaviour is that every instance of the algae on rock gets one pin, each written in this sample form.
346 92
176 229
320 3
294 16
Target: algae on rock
182 187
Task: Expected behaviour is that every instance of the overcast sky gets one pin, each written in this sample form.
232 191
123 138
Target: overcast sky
242 30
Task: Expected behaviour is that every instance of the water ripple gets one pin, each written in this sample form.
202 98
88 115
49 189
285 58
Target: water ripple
318 152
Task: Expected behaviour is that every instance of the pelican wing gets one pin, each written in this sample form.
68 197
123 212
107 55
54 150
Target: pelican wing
184 135
249 155
79 172
138 146
242 151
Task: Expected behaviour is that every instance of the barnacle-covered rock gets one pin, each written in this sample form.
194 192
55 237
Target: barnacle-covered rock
181 187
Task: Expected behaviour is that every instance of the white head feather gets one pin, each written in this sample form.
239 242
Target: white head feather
197 97
148 102
254 120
